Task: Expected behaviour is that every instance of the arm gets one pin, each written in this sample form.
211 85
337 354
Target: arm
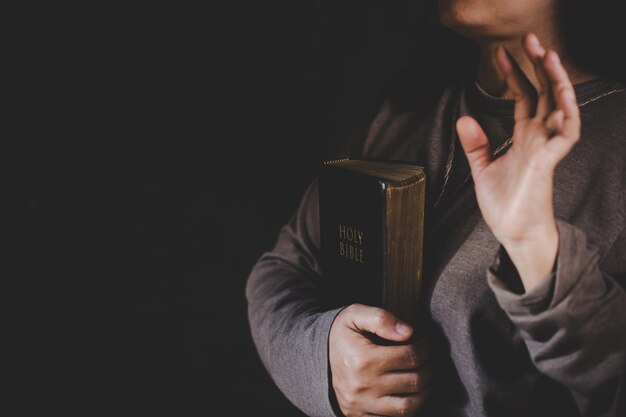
573 323
304 347
289 326
570 313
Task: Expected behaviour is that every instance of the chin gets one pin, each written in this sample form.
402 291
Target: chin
476 19
457 16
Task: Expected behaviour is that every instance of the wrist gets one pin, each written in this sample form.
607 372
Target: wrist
534 257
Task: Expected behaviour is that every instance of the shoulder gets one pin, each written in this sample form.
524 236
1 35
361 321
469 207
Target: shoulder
603 128
414 95
605 110
411 98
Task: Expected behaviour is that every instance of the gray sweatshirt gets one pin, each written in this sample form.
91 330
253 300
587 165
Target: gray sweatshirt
558 350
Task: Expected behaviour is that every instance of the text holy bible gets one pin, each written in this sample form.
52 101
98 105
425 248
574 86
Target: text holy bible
372 222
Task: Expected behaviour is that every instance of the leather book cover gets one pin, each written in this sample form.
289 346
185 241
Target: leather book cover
371 229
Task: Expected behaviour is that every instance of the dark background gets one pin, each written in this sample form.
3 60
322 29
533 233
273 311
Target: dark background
158 151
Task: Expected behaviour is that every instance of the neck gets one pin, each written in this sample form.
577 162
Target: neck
490 78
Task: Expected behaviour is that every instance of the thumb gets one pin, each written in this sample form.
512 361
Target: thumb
475 144
380 322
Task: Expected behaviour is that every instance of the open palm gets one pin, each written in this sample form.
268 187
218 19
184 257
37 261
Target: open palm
514 192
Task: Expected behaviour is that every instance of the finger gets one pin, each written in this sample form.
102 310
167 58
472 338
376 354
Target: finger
406 382
475 144
536 53
379 322
523 91
399 405
404 358
554 122
564 94
558 147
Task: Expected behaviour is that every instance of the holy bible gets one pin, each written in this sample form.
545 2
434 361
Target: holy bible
371 229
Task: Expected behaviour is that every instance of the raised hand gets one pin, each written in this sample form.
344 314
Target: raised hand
515 191
374 379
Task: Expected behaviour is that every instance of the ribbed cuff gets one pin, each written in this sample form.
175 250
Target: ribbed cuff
325 390
504 280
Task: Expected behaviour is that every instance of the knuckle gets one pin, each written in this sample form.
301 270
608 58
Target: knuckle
355 306
351 310
350 399
536 123
357 386
560 89
536 129
542 91
359 362
518 95
410 356
379 317
414 382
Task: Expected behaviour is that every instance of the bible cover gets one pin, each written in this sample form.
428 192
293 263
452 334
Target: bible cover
372 220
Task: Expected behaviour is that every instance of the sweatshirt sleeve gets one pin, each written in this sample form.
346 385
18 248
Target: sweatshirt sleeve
574 323
288 322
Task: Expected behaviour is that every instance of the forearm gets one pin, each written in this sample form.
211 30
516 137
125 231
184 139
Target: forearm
288 320
290 330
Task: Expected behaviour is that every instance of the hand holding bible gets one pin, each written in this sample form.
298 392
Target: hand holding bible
373 379
515 191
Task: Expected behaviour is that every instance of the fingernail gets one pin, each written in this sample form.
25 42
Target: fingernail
403 329
533 39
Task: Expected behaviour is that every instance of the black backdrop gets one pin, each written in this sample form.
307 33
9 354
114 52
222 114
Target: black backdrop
159 153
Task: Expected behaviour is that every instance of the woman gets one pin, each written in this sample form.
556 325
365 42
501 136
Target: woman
525 256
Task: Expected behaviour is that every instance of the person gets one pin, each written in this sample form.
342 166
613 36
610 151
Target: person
525 240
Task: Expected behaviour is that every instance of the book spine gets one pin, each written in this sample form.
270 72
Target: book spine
404 224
